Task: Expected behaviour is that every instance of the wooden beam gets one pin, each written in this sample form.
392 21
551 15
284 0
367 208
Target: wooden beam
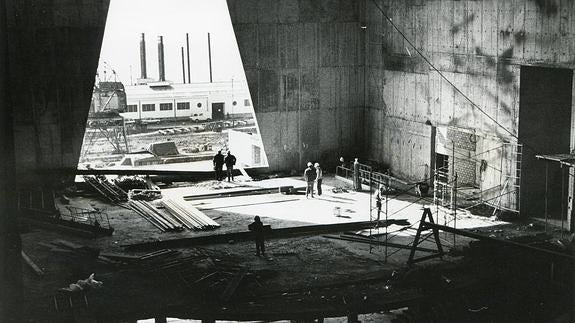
31 264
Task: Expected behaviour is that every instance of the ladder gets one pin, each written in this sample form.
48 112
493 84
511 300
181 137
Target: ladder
513 175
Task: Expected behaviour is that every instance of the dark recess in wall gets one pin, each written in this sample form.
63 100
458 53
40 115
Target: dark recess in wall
544 128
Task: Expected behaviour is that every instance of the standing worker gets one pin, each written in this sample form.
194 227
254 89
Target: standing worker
356 177
230 161
378 198
309 175
257 227
218 165
318 178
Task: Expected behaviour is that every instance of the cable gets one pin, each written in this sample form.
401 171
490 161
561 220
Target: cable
448 81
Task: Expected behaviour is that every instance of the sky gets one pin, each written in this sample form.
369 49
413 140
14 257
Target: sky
172 19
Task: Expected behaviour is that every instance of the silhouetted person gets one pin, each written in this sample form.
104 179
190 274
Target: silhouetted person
218 165
378 200
318 178
257 227
356 177
230 161
309 175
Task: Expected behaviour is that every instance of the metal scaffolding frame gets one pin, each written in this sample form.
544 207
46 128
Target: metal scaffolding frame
566 162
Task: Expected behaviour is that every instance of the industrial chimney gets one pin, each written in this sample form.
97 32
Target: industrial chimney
161 59
210 55
143 74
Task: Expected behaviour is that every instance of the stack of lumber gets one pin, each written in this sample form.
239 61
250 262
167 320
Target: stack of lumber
107 189
153 261
189 216
161 221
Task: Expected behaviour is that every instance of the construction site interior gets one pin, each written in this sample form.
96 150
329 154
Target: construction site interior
445 131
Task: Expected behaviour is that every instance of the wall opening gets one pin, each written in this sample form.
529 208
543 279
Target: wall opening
170 91
544 128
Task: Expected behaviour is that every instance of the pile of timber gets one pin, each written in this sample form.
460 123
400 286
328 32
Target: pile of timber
107 189
154 261
159 220
189 216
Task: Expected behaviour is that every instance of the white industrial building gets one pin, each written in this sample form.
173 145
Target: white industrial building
197 101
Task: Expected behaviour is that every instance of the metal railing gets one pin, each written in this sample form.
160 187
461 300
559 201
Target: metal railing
91 217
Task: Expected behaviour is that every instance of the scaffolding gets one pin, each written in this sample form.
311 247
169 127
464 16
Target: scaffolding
567 163
447 192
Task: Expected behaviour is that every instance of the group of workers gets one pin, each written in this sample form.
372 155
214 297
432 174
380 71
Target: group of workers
219 161
313 174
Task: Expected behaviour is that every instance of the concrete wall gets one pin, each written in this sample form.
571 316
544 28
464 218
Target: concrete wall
477 45
304 62
48 57
53 50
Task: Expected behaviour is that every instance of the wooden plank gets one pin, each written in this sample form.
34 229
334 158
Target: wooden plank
31 264
247 235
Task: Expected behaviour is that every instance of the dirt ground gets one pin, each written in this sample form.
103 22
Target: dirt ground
99 146
297 279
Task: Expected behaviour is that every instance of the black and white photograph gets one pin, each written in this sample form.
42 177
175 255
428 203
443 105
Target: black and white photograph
293 161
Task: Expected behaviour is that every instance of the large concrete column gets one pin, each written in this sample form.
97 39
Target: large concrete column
10 244
305 68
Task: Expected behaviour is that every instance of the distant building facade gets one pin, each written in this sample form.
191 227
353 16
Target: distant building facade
196 101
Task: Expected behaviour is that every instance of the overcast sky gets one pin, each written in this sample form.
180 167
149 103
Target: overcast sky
127 19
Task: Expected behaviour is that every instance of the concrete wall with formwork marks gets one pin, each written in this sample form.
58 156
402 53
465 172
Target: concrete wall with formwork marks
304 62
53 50
479 46
48 58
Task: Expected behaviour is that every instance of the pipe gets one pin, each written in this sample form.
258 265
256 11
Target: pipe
210 56
188 53
161 69
143 73
183 67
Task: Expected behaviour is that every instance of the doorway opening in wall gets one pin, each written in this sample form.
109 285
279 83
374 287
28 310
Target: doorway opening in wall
545 128
170 91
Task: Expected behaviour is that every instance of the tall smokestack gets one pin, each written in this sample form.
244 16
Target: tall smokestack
143 74
183 67
210 56
161 69
188 52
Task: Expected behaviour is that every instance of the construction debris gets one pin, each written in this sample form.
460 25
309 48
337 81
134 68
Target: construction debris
144 195
83 284
232 286
131 182
107 189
